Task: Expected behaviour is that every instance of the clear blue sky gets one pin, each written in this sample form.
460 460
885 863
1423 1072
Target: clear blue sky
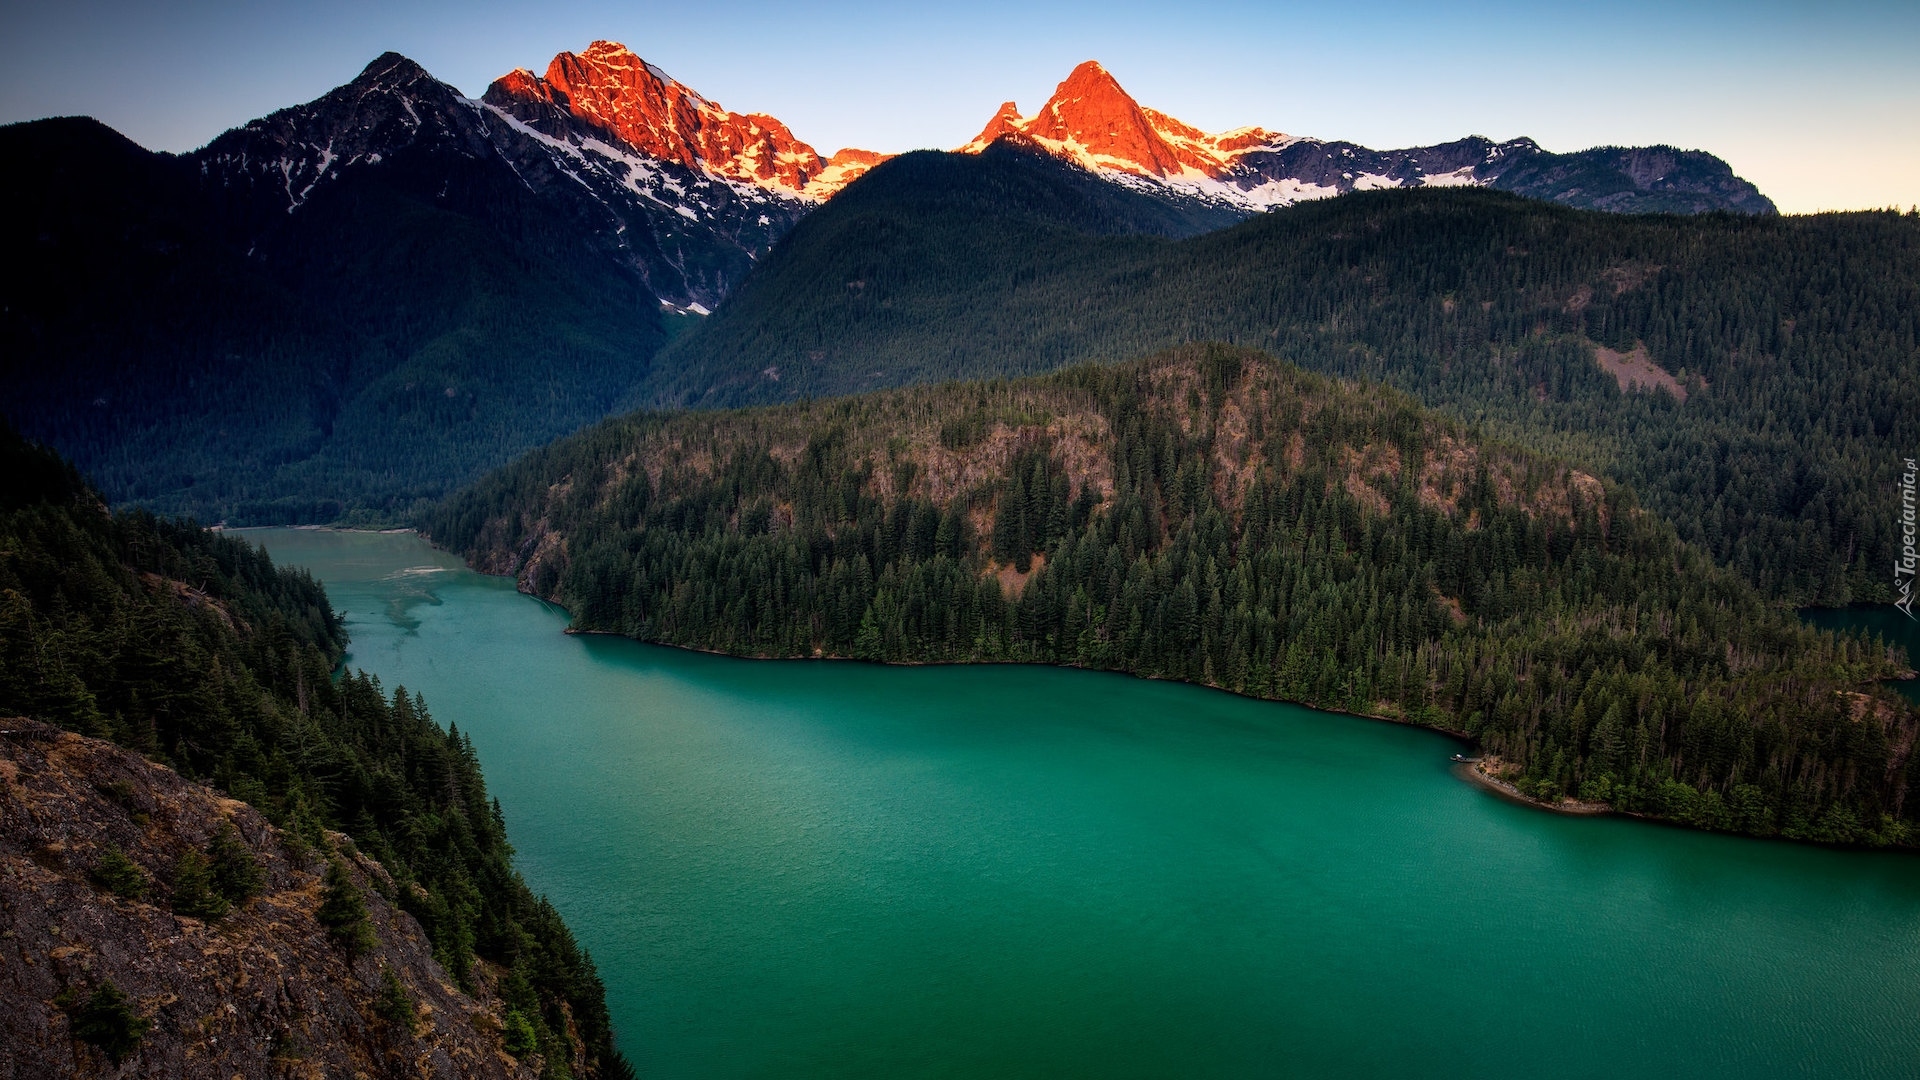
1818 104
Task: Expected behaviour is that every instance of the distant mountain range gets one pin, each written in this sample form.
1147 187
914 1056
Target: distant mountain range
1091 121
352 305
688 193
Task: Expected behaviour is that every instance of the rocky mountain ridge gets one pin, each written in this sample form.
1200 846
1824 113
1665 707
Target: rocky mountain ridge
689 227
633 103
1091 121
690 194
352 304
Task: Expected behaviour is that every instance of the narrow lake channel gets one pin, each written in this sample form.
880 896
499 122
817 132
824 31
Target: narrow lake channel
833 869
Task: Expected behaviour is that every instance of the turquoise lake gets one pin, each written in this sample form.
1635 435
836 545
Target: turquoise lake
801 869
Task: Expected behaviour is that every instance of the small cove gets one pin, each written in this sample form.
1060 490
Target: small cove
1896 629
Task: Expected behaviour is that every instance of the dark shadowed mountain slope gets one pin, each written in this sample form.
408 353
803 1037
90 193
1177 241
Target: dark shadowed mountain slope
196 348
1629 180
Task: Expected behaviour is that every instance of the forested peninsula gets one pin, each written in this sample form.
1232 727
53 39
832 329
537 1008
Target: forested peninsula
1213 515
192 649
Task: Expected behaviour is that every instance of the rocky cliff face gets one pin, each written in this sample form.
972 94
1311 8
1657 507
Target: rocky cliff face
263 991
276 163
610 90
1091 120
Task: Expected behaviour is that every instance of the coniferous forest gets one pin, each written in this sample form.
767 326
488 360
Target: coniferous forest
195 650
1214 516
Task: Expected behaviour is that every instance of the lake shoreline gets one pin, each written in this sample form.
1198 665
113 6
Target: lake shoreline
835 658
1475 772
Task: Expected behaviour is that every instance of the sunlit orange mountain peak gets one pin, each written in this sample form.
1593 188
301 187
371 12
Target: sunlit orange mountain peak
1090 119
611 90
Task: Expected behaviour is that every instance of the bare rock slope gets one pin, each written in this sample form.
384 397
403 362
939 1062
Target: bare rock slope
265 991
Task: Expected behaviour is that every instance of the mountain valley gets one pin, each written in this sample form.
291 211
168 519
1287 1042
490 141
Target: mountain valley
1112 597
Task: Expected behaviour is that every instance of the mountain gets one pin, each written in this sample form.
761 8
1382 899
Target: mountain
196 347
1747 375
345 309
352 305
1214 516
1094 123
276 860
661 181
613 94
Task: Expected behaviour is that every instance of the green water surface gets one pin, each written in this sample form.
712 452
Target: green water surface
802 869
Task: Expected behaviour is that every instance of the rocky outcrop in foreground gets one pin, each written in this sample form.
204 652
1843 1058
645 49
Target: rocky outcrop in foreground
96 963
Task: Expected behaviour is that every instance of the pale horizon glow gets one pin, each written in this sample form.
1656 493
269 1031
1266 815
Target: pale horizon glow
1819 106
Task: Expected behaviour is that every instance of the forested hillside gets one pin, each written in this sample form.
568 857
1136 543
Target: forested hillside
192 648
1214 516
1793 341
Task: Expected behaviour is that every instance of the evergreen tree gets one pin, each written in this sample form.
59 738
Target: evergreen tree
520 1039
392 1003
343 911
237 875
1215 516
194 892
107 1021
119 875
193 648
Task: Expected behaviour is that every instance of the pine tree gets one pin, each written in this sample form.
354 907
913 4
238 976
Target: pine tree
1609 737
237 875
194 894
519 1037
107 1022
343 911
120 875
392 1003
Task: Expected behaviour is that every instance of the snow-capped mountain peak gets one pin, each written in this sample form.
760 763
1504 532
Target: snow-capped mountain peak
391 106
1093 122
689 194
632 103
703 194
